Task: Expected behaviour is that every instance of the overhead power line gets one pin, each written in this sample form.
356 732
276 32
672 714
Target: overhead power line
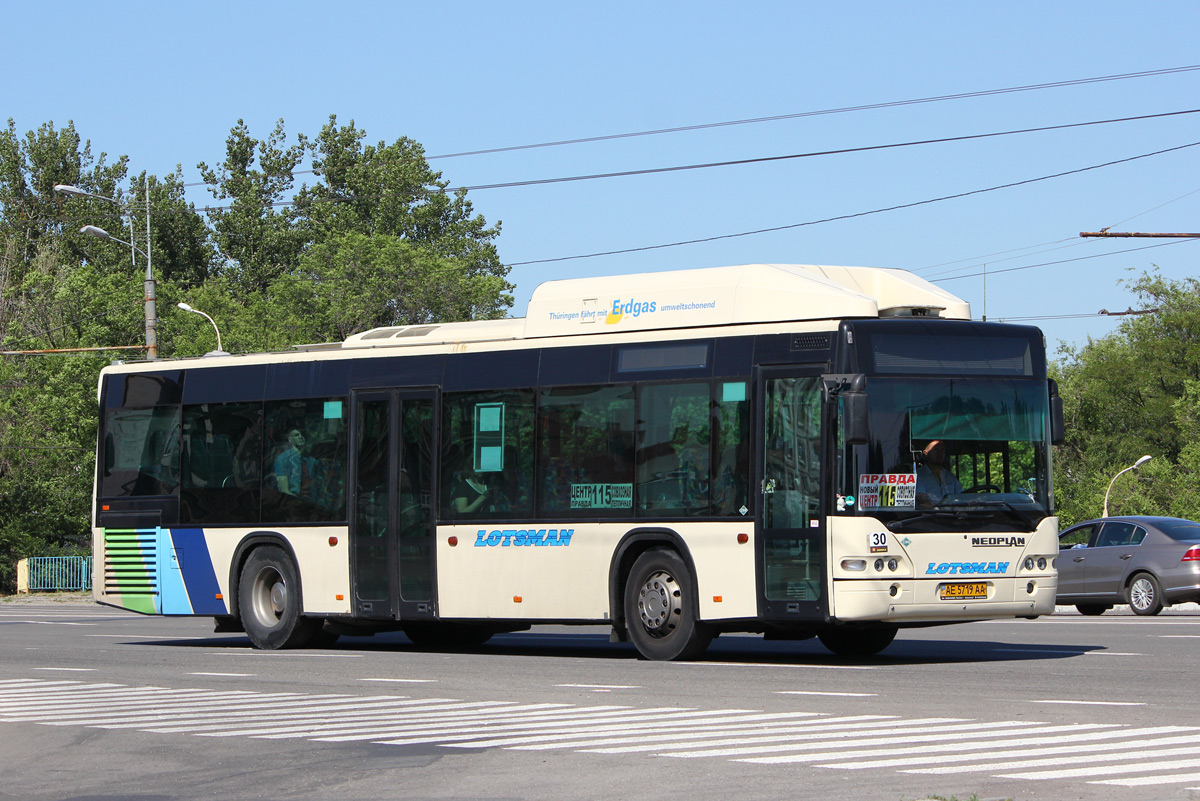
849 216
1151 236
838 152
798 115
802 114
1052 263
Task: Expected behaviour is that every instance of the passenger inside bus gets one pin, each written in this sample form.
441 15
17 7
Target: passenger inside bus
470 493
293 468
934 479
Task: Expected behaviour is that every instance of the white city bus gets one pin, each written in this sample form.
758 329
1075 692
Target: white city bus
676 455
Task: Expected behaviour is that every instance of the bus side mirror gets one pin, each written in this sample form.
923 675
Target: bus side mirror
1058 429
854 418
855 425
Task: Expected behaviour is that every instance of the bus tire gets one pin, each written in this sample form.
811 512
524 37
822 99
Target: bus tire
270 603
660 608
858 641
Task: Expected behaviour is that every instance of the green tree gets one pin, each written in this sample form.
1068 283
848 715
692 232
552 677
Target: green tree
256 235
1129 394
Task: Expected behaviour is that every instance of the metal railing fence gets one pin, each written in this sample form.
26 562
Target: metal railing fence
60 573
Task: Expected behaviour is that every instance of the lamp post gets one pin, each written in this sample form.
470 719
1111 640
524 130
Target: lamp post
96 231
218 351
1133 466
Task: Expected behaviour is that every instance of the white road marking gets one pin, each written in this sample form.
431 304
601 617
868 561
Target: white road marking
1092 770
891 730
877 751
69 669
814 692
231 675
1090 703
601 686
405 681
143 637
1103 753
1149 780
1080 756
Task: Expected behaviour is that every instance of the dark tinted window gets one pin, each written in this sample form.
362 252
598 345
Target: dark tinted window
140 452
221 463
1115 533
1180 530
585 451
304 464
487 455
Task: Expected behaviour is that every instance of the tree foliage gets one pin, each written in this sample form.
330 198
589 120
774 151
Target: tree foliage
374 240
1130 394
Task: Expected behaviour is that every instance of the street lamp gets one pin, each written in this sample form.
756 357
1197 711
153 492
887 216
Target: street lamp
218 351
1133 466
92 230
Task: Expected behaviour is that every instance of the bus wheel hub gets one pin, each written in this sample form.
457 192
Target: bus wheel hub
660 604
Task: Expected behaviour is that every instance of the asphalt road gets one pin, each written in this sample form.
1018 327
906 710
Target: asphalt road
96 703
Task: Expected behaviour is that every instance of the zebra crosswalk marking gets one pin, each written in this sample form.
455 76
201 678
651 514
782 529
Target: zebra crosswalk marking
1110 754
586 739
1042 754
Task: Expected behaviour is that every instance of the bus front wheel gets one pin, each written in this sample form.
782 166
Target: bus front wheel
660 608
269 601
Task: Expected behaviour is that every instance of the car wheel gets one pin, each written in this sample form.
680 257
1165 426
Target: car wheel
1145 595
1092 609
660 608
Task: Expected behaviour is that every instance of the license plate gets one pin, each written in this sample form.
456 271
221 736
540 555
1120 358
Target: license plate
967 591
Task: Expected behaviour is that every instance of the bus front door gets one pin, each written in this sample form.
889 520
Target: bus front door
791 530
392 528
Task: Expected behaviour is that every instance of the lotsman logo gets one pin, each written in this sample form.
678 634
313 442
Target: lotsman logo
630 307
514 536
967 568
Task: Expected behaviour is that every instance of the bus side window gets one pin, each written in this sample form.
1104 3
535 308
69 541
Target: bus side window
583 451
487 441
674 448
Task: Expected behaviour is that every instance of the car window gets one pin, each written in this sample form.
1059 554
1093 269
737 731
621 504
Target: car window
1075 537
1139 534
1180 530
1115 533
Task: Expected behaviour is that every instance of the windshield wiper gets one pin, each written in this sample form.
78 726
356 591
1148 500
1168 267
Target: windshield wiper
905 523
991 505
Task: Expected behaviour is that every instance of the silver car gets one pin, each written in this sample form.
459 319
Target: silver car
1146 562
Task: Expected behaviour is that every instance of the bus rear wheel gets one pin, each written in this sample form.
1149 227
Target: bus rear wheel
660 608
269 601
858 641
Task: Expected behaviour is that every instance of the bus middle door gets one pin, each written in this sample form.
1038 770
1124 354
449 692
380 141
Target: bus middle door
392 528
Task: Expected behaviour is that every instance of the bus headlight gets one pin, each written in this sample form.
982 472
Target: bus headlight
1041 563
1029 563
878 565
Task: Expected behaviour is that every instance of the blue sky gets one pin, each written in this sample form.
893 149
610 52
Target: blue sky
163 82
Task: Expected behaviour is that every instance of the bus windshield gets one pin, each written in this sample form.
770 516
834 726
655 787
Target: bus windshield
948 454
